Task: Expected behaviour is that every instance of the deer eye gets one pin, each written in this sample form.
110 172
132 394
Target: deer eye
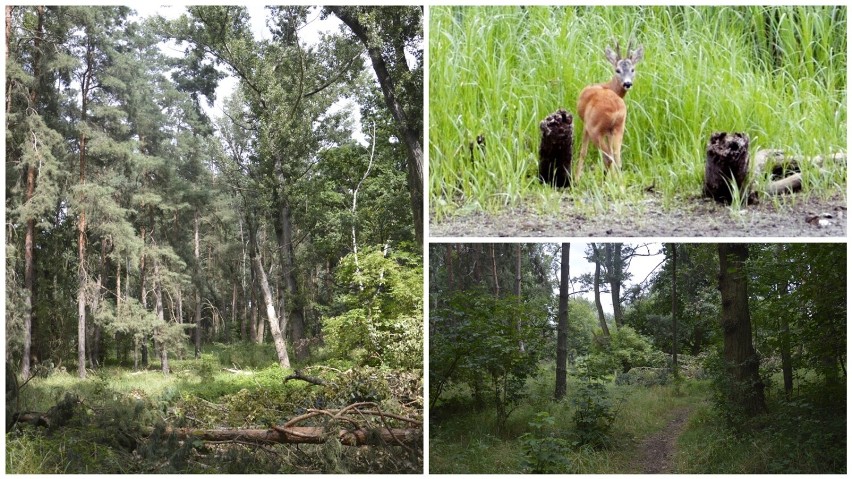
632 70
618 70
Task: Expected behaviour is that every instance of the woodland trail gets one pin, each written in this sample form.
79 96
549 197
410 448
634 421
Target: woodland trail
656 453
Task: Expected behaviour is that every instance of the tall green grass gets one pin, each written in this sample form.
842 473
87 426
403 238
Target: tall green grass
776 73
475 442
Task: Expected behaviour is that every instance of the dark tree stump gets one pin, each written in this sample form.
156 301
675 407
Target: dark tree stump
727 157
554 152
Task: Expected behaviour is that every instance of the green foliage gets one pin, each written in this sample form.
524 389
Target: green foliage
641 376
383 308
544 453
594 414
624 350
476 339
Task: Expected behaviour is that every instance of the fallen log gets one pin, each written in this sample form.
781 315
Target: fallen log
303 435
309 379
786 171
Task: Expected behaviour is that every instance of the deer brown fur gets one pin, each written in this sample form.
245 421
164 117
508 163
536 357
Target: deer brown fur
603 111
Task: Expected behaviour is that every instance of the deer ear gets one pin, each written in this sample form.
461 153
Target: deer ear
611 56
637 55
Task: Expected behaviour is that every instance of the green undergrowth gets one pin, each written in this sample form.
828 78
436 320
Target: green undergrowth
775 73
803 435
464 439
105 422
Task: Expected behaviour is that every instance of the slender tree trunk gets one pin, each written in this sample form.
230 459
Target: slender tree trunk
494 272
518 292
742 361
786 357
616 273
158 297
197 237
143 298
562 326
597 280
277 337
675 369
286 251
411 136
9 10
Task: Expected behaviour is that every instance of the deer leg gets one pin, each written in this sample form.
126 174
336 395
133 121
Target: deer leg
584 148
605 145
617 136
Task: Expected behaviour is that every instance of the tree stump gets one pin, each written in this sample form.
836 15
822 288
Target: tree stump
554 152
727 164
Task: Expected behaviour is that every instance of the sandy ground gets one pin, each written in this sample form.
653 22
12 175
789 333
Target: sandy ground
697 217
656 454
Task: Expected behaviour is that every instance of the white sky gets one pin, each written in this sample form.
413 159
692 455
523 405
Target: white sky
640 267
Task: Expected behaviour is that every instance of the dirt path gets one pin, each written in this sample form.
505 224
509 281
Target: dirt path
656 453
694 217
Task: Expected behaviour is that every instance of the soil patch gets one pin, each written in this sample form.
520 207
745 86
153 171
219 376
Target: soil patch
656 453
697 217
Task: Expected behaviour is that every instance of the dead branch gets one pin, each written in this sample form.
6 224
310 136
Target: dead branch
309 379
302 435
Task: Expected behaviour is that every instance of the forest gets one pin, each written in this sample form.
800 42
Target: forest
637 358
211 280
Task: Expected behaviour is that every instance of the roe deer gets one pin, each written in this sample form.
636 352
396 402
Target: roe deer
602 108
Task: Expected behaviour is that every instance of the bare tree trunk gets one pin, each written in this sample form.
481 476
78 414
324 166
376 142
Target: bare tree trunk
277 338
411 137
786 357
562 326
615 267
197 252
518 292
675 369
494 272
597 280
158 297
741 360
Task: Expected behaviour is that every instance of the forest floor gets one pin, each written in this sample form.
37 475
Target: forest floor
695 217
656 453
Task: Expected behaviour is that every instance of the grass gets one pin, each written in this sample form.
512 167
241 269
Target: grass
470 442
117 405
776 73
806 435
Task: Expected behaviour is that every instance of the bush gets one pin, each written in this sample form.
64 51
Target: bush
594 414
544 453
625 349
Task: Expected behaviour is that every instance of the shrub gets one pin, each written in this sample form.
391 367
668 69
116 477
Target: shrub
643 377
594 414
544 453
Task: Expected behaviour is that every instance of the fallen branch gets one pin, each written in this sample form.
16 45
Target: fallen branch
786 170
298 375
302 435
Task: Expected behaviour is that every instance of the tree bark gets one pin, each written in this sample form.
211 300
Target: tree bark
304 435
277 338
615 267
786 357
727 166
741 359
518 292
158 298
555 149
197 251
494 272
562 326
411 137
597 287
675 369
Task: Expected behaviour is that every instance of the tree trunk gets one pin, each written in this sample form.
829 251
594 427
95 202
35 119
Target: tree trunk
411 137
741 360
197 252
675 369
597 280
494 272
555 149
304 435
616 272
562 326
158 297
786 357
518 292
727 166
277 338
286 252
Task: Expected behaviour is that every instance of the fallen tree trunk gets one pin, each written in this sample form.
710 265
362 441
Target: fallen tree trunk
303 435
786 170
